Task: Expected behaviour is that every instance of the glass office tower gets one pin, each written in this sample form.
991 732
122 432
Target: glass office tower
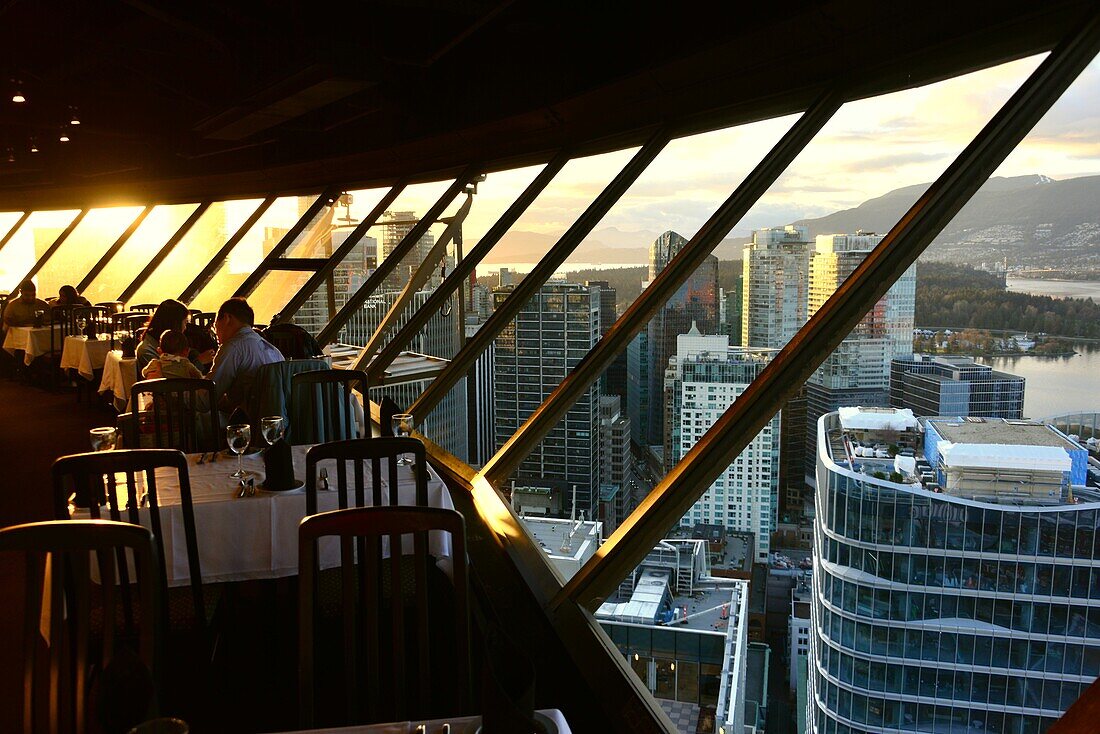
955 586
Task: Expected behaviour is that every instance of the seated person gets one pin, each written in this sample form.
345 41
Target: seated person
172 359
170 314
68 296
20 311
242 351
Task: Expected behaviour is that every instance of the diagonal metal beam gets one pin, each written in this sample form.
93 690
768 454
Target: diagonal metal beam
325 199
15 228
463 269
534 280
215 263
164 251
689 479
418 279
387 266
299 299
123 238
664 286
56 245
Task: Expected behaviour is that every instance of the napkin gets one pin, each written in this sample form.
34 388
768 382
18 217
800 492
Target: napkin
387 409
279 467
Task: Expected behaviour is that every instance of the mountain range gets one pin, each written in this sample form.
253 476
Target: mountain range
1033 221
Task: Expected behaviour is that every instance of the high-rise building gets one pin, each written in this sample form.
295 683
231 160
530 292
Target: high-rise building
776 277
857 372
618 466
395 225
637 387
545 342
613 380
695 301
931 385
955 583
733 304
703 379
480 414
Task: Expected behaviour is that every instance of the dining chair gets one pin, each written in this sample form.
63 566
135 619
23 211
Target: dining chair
377 452
322 407
62 326
406 655
126 325
98 318
87 665
112 306
146 308
205 319
123 484
181 413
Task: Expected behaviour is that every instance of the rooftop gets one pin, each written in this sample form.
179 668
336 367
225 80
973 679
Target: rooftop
565 538
1000 431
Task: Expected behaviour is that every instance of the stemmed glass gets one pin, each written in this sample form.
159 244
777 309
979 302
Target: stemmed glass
272 428
103 438
402 426
82 325
238 435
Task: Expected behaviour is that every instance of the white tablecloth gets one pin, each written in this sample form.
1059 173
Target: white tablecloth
257 537
119 376
460 725
84 355
33 340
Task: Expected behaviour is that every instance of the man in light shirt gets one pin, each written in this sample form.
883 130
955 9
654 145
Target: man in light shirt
241 352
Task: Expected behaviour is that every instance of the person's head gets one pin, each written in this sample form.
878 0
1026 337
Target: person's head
170 314
67 295
174 342
28 291
233 315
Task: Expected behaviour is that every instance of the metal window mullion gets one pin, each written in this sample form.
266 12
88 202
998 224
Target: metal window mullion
164 251
123 238
664 286
387 266
15 228
203 278
689 479
416 281
533 281
56 245
299 299
463 268
324 199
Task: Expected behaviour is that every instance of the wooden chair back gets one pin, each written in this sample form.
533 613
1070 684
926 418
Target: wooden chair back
98 319
320 405
112 306
180 414
126 324
61 326
92 479
388 643
357 452
77 659
146 308
205 319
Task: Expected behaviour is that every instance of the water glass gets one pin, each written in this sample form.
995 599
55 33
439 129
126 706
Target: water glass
82 325
103 438
273 427
402 426
238 435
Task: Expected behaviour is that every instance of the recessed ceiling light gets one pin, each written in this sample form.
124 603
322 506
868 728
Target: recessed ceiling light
18 98
64 138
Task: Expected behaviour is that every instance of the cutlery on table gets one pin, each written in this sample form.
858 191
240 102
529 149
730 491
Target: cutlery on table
241 488
202 457
324 478
252 486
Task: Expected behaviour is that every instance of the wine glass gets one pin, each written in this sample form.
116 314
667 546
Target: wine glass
272 428
238 435
82 324
103 438
402 426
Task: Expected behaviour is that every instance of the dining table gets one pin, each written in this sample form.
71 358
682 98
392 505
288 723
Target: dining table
33 341
84 355
119 375
256 536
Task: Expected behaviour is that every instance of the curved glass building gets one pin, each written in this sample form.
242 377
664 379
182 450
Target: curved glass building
956 584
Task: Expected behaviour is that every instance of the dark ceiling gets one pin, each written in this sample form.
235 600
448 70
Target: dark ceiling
192 100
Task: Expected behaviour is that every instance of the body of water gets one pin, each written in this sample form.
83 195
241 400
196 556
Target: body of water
1056 288
1056 384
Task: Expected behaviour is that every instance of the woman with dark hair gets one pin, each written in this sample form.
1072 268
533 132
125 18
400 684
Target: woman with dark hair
171 315
68 296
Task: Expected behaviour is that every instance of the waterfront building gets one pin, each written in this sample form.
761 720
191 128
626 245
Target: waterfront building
956 582
703 379
547 339
932 385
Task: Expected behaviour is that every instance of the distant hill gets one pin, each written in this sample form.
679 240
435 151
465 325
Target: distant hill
609 245
1032 220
